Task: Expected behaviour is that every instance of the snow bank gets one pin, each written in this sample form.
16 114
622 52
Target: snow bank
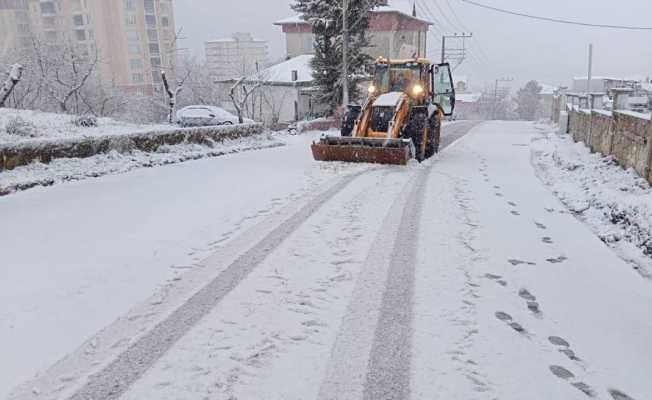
113 162
50 126
616 203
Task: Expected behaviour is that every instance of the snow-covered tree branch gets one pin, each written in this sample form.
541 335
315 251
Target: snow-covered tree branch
13 77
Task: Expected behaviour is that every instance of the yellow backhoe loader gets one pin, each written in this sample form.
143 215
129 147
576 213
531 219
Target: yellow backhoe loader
401 118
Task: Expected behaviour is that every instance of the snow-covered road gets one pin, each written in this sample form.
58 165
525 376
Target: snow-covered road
461 278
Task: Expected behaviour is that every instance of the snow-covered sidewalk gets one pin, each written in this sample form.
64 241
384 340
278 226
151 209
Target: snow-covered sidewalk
615 203
516 298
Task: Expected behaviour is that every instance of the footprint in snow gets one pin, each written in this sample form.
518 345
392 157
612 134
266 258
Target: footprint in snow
511 203
532 303
514 212
496 278
525 294
499 195
618 395
564 347
563 373
557 341
547 240
503 316
516 262
540 225
557 260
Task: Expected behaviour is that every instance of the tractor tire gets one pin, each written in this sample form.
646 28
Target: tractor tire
414 129
348 121
434 136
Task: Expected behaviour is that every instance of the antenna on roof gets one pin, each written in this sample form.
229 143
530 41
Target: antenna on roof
414 9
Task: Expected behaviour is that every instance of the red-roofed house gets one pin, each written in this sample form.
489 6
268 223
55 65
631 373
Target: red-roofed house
393 33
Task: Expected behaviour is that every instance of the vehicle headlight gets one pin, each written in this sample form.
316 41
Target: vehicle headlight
417 90
372 89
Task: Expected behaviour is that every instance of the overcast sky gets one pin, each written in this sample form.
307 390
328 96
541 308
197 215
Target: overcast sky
505 46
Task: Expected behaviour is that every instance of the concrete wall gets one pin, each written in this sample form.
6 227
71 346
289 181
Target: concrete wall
631 142
12 156
624 135
602 129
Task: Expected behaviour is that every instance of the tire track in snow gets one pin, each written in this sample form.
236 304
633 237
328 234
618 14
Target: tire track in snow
389 370
388 376
382 296
128 367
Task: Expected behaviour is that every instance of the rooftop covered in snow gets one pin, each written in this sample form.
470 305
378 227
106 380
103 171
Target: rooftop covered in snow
398 8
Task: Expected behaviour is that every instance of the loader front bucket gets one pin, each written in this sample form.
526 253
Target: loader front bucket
363 150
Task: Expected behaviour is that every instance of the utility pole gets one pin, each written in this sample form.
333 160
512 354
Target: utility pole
345 53
590 76
495 108
461 52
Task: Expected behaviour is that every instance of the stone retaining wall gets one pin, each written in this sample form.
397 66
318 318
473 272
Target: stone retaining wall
625 136
15 155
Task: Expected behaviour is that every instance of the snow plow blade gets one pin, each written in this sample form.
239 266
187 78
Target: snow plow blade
363 150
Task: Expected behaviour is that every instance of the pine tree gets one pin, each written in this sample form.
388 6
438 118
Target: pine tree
528 100
325 16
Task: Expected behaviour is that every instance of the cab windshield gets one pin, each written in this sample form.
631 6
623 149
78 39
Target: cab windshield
396 78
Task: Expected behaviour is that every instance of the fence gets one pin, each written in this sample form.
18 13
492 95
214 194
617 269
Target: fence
624 135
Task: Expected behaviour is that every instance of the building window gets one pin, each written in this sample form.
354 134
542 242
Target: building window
130 5
136 63
130 20
150 20
75 5
132 36
48 7
152 35
154 49
149 7
137 78
156 77
78 20
80 35
134 48
165 21
156 62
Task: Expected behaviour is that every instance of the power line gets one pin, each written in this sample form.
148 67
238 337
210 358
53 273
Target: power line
475 40
557 20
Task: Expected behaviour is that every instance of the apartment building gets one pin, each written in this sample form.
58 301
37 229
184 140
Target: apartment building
134 39
14 25
235 57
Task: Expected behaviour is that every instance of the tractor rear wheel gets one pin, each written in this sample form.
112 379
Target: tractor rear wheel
434 136
415 130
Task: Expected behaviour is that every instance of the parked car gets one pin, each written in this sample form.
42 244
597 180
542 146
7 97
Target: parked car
202 115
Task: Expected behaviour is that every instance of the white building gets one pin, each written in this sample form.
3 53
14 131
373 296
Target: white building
235 57
286 93
393 32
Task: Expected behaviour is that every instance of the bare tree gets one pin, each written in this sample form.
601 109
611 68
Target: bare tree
14 76
240 97
172 95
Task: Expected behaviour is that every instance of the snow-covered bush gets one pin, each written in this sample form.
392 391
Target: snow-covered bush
19 127
85 121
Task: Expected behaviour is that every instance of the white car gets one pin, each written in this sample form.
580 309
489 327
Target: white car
206 116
